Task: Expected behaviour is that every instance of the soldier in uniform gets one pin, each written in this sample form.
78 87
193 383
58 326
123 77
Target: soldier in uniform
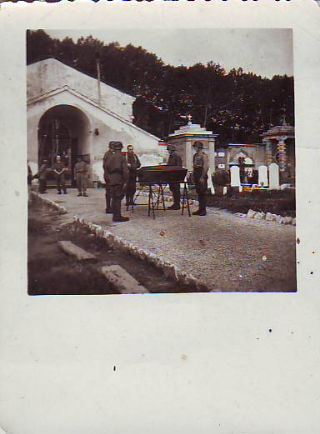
118 173
200 176
42 175
30 177
106 156
174 160
133 164
59 169
81 176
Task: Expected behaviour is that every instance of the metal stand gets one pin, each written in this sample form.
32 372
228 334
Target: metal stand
156 194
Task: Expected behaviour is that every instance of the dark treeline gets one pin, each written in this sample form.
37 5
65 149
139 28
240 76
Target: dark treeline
236 105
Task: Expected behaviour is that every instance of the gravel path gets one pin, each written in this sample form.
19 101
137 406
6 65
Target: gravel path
226 252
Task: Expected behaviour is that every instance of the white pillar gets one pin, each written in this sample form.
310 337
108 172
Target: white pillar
188 153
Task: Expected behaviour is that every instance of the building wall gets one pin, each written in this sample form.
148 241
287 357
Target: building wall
48 75
109 128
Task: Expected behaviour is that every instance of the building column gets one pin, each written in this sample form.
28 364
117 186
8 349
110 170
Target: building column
268 153
211 144
189 163
282 153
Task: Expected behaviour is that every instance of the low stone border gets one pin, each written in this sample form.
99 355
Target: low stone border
169 270
112 240
49 202
268 217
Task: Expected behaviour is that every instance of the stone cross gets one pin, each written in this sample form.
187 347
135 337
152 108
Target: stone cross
274 176
263 176
235 176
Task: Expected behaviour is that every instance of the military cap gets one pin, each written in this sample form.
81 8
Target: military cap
171 148
115 145
198 144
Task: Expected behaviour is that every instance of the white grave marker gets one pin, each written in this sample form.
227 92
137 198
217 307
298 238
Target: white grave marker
263 176
274 181
235 176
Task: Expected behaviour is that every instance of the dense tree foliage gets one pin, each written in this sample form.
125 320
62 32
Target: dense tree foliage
238 106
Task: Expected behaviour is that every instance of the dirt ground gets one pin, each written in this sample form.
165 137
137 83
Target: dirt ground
223 251
52 272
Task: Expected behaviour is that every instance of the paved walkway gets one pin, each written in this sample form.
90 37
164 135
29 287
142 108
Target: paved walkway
226 252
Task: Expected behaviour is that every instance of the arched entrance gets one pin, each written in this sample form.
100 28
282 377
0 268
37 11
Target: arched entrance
63 130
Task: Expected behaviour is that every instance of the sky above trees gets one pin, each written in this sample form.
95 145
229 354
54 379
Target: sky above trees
237 105
265 52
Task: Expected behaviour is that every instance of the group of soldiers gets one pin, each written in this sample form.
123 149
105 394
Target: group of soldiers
199 175
120 172
59 169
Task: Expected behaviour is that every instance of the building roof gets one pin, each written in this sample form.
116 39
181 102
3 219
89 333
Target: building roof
51 74
192 130
50 77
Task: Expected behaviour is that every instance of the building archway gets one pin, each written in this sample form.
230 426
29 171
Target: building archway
64 130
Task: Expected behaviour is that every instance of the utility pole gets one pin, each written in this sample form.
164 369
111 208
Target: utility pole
205 116
98 77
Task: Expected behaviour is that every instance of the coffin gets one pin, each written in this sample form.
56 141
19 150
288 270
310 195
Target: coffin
161 174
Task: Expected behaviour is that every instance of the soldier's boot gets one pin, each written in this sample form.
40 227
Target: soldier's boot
120 219
202 206
108 205
174 206
79 194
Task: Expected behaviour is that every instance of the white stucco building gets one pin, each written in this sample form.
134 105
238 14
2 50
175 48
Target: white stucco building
66 115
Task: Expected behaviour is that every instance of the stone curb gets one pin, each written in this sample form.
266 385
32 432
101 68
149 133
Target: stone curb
257 215
49 202
169 270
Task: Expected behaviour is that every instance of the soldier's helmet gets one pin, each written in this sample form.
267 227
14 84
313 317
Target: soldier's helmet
115 145
198 145
171 148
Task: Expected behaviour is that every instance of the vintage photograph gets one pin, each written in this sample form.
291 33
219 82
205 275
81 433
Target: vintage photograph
160 161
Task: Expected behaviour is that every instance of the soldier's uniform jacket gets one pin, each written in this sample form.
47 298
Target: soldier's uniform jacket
134 162
117 169
81 167
106 157
60 168
43 171
174 160
200 163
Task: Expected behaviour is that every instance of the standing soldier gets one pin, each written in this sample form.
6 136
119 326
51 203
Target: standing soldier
81 176
200 176
118 173
174 160
42 175
59 169
106 156
133 164
30 177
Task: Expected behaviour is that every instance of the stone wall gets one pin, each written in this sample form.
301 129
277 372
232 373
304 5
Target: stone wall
48 75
